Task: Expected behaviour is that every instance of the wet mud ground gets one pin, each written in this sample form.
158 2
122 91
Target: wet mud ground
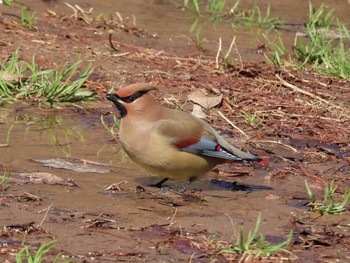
71 182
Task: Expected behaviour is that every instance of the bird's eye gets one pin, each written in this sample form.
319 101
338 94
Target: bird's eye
129 99
134 96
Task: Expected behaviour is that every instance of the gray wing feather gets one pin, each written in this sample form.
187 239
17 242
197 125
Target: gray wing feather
208 147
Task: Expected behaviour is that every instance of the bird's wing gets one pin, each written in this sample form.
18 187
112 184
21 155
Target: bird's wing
195 136
208 147
229 147
180 133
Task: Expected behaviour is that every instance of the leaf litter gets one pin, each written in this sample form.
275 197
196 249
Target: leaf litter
304 134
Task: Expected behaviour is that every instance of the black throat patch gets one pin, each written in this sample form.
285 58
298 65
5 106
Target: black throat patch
115 99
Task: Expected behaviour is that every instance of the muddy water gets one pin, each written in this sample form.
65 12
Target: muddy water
31 135
167 20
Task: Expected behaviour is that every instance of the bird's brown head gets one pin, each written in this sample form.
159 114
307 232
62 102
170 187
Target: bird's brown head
132 98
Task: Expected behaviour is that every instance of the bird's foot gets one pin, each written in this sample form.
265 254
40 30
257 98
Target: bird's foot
161 188
159 184
166 189
184 187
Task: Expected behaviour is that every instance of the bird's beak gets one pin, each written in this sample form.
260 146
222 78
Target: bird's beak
118 103
112 97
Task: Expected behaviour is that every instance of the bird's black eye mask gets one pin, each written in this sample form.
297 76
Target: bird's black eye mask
116 100
134 96
129 99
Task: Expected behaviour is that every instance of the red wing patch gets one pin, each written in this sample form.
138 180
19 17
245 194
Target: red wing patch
186 142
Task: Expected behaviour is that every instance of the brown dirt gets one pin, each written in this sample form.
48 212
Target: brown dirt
304 134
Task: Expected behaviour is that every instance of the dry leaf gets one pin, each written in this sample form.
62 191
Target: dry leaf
197 111
13 78
206 102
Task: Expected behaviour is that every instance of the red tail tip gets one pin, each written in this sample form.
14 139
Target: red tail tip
264 162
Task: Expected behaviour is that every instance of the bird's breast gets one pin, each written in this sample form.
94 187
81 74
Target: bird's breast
158 156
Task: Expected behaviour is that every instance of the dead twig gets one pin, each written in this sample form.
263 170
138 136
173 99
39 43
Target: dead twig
233 44
148 52
45 216
172 217
218 54
309 94
280 143
115 186
32 197
293 115
97 222
234 126
317 179
83 14
111 42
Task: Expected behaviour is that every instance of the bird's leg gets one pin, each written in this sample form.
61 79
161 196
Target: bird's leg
159 184
184 187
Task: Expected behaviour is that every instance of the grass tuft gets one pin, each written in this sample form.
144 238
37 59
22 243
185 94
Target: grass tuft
7 2
253 120
50 87
5 178
111 129
256 246
321 47
27 18
199 41
328 205
217 11
38 256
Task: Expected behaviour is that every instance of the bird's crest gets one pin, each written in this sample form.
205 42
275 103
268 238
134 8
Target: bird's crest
136 88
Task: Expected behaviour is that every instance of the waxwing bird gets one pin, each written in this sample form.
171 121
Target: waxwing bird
166 142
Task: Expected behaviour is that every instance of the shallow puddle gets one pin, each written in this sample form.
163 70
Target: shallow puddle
70 182
89 219
168 26
33 135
